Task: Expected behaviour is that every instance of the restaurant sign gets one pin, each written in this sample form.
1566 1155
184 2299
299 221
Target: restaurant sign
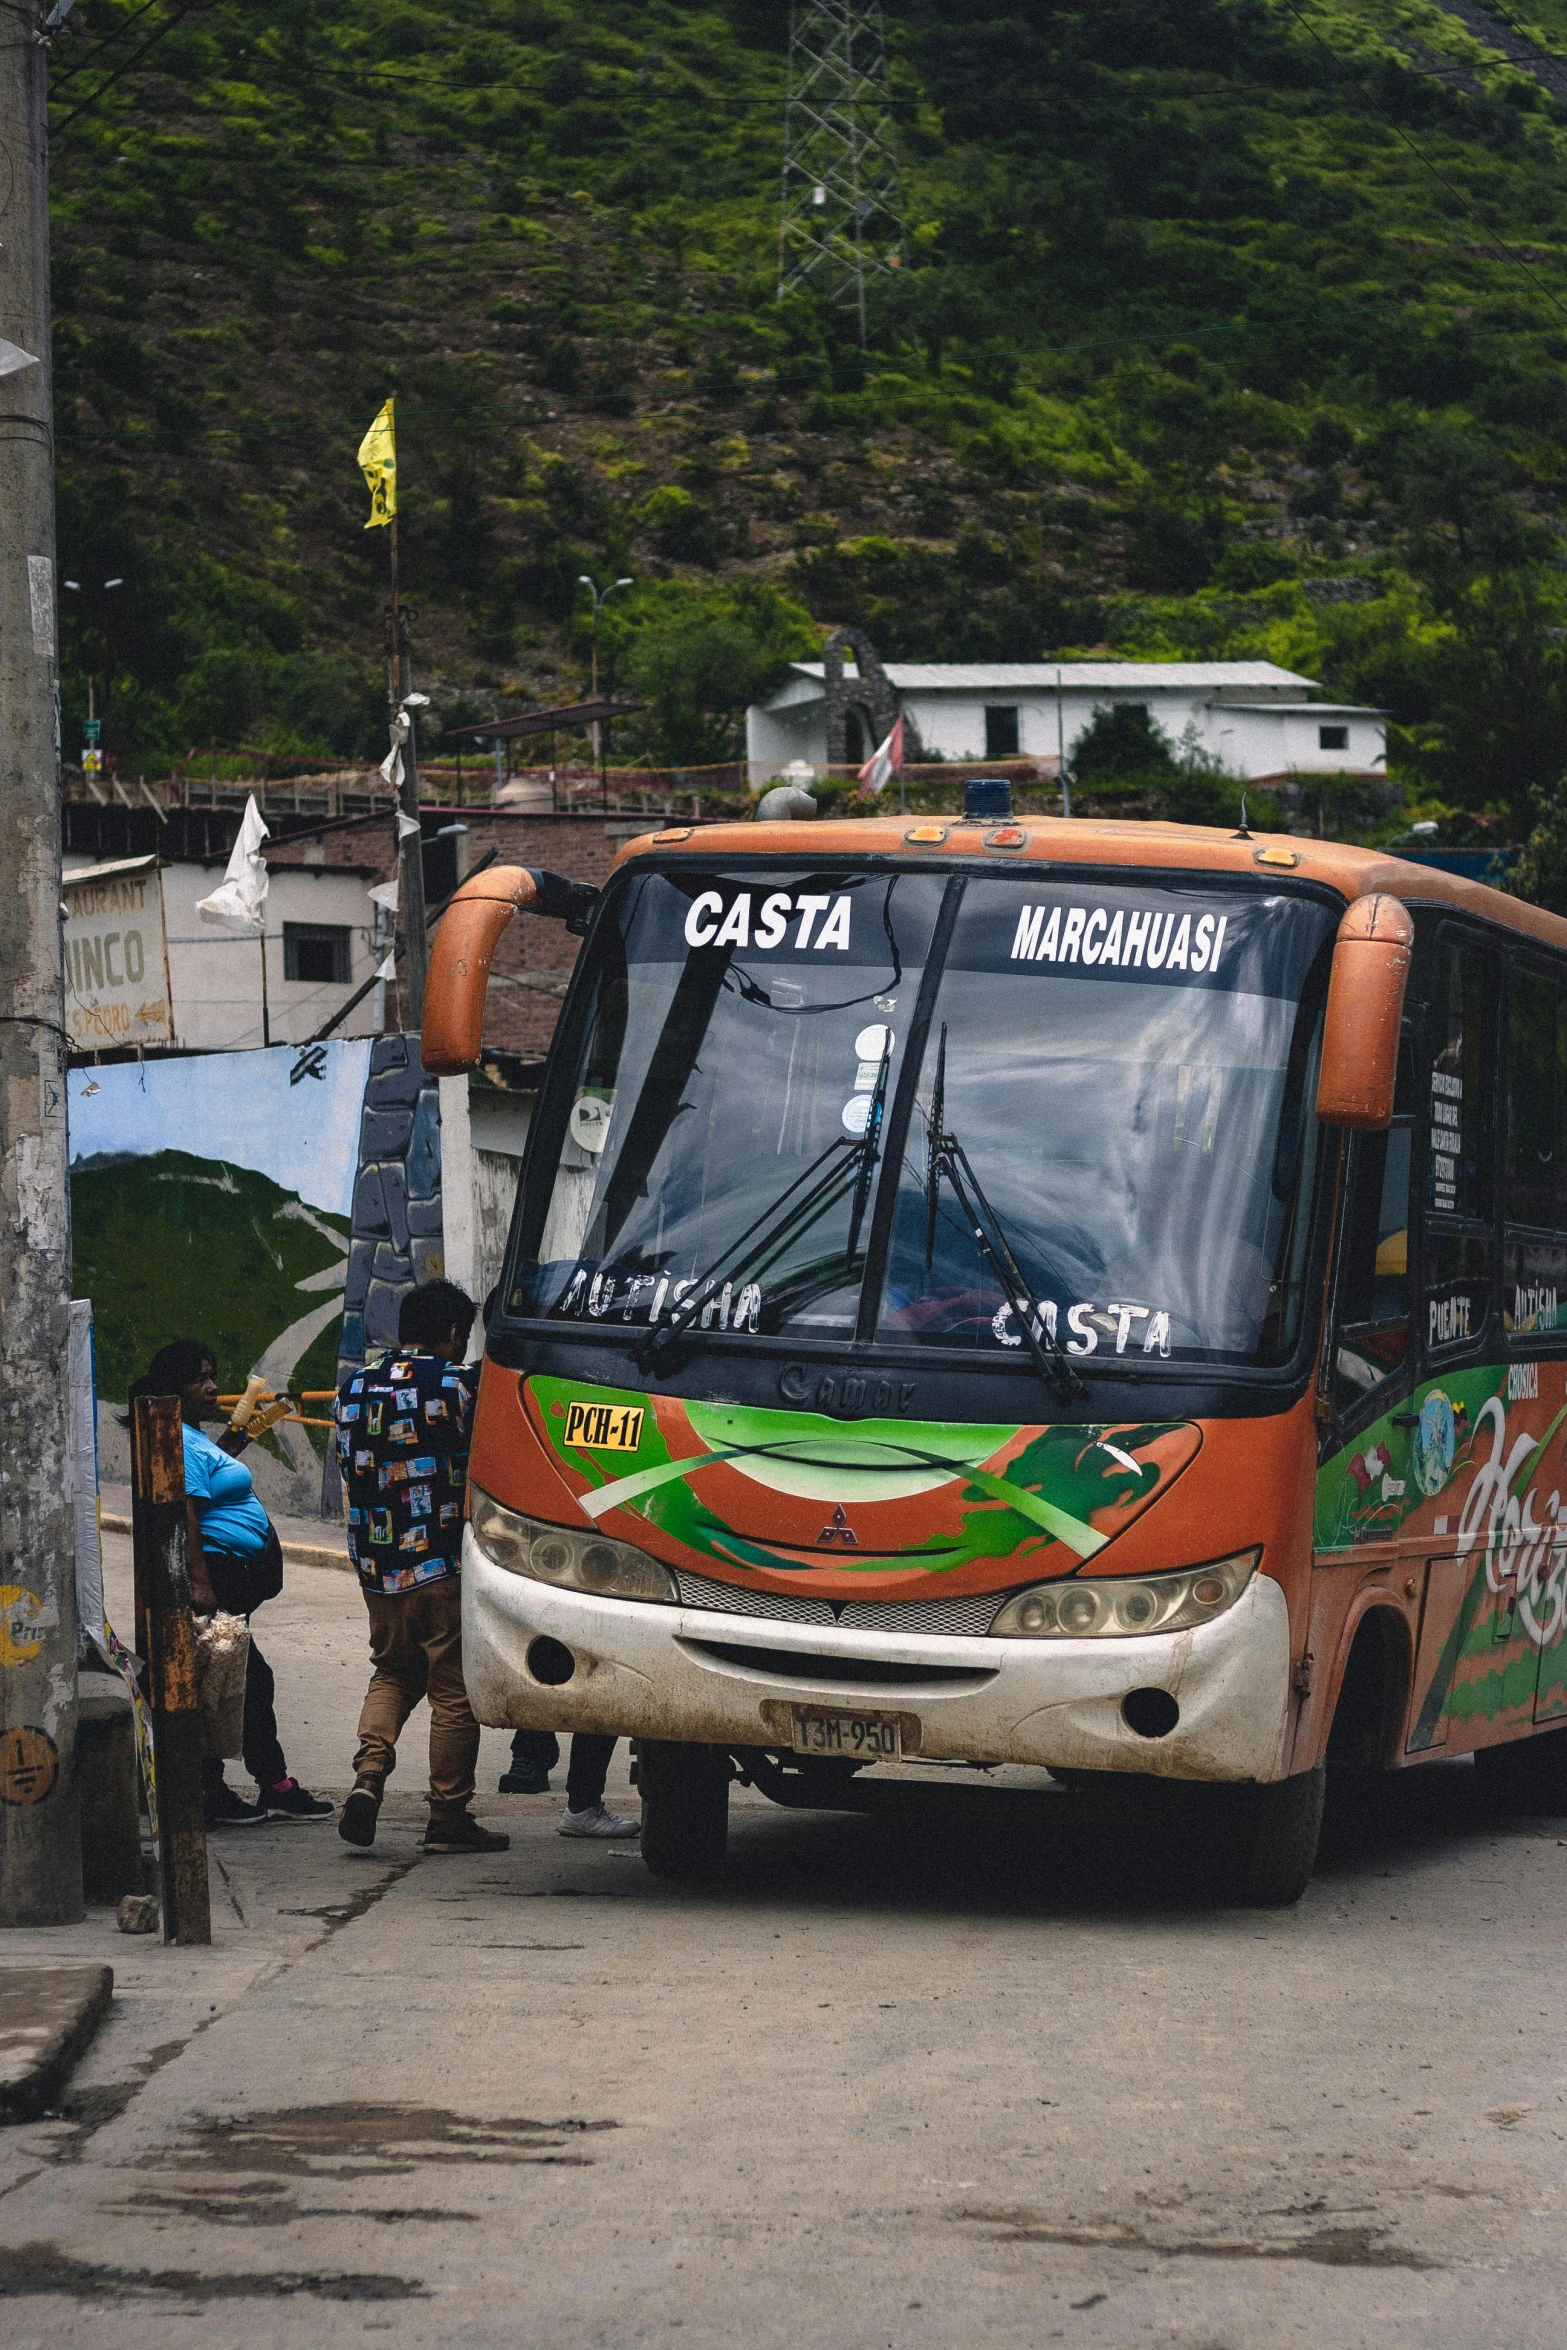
116 956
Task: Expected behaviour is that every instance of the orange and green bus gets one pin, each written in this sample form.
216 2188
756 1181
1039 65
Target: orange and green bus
1047 1292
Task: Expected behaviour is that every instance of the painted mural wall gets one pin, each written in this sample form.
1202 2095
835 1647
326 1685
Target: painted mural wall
245 1198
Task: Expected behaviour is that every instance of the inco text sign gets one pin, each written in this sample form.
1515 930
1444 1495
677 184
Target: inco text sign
116 960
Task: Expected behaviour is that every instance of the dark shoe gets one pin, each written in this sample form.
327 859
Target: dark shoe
357 1825
289 1801
225 1809
460 1832
524 1779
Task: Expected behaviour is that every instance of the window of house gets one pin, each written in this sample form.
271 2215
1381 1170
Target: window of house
1001 732
317 951
1460 1185
1534 1275
1333 738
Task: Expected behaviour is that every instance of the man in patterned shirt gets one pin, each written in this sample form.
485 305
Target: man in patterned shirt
403 1428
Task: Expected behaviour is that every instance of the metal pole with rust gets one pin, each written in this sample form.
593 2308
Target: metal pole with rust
166 1637
40 1821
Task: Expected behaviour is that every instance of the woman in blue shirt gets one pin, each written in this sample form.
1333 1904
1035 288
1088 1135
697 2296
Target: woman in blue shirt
235 1563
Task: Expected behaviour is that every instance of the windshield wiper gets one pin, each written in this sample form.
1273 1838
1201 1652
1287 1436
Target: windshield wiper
948 1158
844 1170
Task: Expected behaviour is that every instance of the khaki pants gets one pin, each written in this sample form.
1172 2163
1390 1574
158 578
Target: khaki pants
416 1650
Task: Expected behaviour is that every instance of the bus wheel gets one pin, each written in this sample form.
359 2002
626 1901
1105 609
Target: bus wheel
685 1808
1270 1845
1527 1776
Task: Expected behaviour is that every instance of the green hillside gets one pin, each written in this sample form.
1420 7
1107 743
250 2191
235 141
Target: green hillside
1206 344
178 1247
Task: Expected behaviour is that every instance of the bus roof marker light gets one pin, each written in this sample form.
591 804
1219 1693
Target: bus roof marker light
926 835
1006 836
1284 857
987 796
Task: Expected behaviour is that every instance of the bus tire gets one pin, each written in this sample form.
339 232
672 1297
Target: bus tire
1270 1847
1526 1777
685 1808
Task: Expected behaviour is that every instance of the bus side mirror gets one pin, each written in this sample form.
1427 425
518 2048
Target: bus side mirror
463 949
1365 1012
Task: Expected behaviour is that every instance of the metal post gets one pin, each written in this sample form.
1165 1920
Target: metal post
266 1017
40 1819
410 845
166 1637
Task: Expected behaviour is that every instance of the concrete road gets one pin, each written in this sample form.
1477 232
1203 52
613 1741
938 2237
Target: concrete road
983 2066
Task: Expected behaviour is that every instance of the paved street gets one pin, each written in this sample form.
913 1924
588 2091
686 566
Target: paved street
980 2067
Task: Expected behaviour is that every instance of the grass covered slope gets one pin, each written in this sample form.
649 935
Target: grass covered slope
1225 329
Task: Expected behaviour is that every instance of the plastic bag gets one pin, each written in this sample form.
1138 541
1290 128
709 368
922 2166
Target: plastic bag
222 1653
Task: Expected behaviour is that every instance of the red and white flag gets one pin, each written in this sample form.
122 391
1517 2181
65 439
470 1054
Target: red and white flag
885 762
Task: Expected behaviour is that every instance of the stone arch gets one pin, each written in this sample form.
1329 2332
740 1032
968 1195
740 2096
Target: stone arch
871 693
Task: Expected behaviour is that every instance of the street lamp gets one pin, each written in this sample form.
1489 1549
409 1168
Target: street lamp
600 597
104 586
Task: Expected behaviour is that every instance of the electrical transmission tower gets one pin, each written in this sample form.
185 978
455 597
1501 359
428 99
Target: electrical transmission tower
842 213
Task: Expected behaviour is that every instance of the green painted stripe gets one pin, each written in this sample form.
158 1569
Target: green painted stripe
1082 1539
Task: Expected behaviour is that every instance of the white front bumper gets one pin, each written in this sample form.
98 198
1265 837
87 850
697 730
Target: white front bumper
641 1673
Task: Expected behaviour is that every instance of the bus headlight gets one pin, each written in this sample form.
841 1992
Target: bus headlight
1121 1607
577 1561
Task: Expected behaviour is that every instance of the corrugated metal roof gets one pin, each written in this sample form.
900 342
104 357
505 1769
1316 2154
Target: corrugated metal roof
974 677
1311 709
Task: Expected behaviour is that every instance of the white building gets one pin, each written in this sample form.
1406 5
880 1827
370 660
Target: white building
1254 717
319 927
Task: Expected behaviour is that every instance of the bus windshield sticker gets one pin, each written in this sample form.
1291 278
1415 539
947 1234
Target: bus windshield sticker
1087 1324
595 1293
1133 940
820 919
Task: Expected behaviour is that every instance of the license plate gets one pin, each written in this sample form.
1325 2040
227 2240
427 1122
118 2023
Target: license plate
848 1737
604 1427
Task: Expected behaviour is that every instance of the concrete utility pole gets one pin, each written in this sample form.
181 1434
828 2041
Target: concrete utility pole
40 1823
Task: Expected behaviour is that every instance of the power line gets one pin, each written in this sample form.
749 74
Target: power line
1415 148
121 71
69 72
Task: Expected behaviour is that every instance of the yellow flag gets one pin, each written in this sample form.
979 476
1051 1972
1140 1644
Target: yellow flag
378 458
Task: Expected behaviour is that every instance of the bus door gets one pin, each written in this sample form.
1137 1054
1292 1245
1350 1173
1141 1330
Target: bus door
1534 1311
1475 1664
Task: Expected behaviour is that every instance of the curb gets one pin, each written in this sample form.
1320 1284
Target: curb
306 1554
48 2014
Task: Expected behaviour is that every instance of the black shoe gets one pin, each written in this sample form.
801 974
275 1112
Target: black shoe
459 1832
357 1825
225 1809
524 1779
289 1801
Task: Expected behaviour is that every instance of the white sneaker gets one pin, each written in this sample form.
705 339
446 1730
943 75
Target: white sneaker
596 1821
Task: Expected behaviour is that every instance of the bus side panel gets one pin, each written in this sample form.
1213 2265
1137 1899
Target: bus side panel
1451 1509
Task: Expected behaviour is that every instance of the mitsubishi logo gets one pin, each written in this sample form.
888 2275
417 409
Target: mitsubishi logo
839 1532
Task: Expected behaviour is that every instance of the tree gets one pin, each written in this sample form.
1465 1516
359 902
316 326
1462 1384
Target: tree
699 655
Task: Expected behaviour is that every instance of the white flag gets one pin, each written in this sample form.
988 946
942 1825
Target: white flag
885 761
241 896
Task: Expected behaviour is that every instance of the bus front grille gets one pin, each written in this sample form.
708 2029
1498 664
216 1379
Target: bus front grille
968 1616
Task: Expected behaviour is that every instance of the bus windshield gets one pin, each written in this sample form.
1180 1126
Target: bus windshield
742 1039
1129 1076
1127 1070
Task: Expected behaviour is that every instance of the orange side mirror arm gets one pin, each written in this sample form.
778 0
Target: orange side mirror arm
463 949
1359 1072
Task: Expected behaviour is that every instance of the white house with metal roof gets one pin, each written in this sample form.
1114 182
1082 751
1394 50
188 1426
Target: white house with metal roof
1255 717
